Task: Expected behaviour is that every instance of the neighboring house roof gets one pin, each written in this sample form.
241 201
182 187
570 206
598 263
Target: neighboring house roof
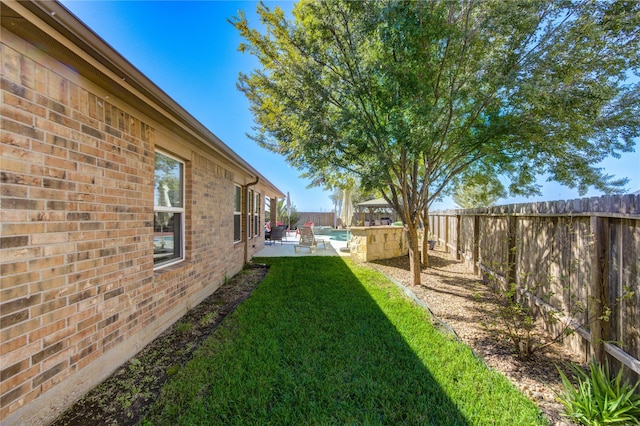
97 61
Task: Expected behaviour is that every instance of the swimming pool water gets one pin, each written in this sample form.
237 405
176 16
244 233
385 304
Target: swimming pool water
340 235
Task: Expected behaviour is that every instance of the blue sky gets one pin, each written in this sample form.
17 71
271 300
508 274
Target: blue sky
189 50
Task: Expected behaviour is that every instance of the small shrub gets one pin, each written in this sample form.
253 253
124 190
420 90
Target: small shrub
173 369
526 315
600 399
134 364
209 318
519 320
184 327
522 322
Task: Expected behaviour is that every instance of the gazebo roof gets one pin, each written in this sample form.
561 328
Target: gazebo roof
379 203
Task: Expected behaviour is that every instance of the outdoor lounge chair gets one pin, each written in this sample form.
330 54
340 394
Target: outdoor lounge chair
276 234
310 224
309 240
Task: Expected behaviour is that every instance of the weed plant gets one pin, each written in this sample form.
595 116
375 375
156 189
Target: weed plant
325 342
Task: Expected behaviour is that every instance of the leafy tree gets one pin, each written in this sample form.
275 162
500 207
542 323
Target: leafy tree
482 191
413 97
474 195
336 199
283 215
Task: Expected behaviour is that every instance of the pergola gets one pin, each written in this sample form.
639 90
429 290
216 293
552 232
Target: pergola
376 207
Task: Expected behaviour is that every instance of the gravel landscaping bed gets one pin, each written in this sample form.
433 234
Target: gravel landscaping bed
460 299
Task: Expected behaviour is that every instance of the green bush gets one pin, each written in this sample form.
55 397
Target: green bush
600 399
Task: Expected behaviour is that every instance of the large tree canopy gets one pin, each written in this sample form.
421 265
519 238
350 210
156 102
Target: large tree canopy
415 97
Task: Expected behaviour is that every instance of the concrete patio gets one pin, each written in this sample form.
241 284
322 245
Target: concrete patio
290 240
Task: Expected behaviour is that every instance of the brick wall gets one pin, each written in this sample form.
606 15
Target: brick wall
79 294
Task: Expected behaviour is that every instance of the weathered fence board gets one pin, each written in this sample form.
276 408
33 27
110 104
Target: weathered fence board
626 259
319 219
574 254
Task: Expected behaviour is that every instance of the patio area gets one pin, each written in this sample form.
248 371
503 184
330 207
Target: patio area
289 241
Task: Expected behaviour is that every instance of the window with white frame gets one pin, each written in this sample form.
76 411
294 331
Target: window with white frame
237 214
249 213
256 214
168 210
267 208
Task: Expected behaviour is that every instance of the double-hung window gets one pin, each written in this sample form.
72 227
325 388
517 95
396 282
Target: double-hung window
256 214
168 210
249 213
237 214
267 209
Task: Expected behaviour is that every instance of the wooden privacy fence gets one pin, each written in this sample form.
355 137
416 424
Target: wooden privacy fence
319 219
584 251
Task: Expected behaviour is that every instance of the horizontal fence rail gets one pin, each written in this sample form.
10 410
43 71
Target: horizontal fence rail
577 251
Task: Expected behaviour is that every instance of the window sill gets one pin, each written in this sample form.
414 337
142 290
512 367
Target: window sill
168 267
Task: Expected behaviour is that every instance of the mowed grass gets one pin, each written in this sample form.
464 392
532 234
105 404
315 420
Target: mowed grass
322 341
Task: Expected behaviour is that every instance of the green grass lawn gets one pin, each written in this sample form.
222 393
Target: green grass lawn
323 341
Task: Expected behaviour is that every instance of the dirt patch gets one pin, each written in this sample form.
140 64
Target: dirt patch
125 397
459 299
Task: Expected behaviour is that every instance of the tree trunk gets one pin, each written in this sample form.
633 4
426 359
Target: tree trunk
425 238
414 254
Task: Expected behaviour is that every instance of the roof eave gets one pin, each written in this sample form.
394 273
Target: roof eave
132 83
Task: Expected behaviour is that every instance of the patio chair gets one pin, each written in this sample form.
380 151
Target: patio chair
309 224
309 240
276 234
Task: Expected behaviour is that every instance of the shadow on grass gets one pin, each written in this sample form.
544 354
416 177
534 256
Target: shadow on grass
323 342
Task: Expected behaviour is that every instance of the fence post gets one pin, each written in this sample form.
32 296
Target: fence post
599 285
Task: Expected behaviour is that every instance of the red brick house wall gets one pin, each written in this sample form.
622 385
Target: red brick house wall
79 293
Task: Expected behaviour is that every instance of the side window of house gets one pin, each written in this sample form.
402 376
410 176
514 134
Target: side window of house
237 214
168 210
256 214
267 209
249 214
